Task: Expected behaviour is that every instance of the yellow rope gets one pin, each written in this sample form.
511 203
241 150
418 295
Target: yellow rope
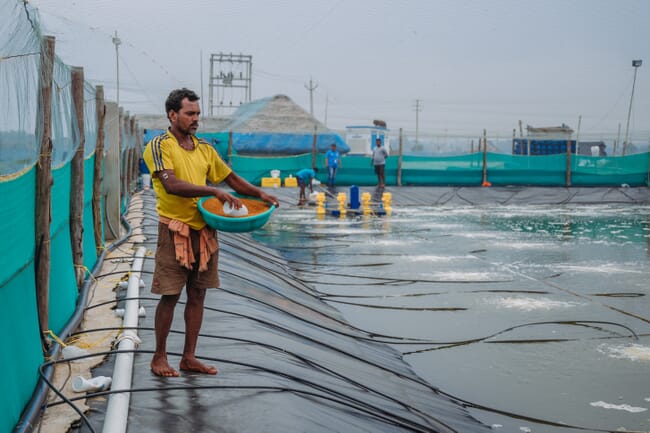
55 337
86 271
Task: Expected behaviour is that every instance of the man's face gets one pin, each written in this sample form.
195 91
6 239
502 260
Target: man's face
187 118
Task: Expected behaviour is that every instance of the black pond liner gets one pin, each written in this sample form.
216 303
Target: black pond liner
288 362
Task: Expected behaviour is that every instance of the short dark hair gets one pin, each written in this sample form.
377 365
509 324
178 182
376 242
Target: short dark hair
315 170
175 99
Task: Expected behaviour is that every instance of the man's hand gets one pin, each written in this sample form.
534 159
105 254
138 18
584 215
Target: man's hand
224 197
270 199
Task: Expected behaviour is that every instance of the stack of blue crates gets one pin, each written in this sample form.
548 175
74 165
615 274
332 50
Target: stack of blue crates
541 147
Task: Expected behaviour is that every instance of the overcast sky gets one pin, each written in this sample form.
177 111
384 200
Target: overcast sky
472 64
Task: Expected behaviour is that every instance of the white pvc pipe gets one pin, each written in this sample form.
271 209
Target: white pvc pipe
117 410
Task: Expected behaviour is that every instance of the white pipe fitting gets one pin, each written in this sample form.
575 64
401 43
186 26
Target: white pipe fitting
117 411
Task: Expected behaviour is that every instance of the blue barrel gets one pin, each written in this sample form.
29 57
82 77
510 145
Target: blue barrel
354 197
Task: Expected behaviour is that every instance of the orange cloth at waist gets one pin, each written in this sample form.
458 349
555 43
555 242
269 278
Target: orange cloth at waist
208 244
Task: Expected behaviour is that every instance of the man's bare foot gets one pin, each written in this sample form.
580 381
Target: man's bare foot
160 367
193 364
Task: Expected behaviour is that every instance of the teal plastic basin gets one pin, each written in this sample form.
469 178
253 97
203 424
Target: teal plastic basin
235 224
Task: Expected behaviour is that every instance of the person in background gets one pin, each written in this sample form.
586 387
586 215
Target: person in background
305 177
378 160
184 168
332 162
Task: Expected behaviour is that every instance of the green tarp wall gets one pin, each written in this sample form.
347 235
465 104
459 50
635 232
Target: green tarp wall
463 170
18 311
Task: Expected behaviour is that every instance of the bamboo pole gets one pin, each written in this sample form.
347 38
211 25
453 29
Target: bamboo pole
100 109
127 155
44 186
313 148
485 181
568 161
121 153
399 161
139 149
77 174
133 156
578 135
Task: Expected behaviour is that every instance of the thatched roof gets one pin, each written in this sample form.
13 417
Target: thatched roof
273 114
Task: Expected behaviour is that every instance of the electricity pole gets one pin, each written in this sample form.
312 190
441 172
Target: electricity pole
635 64
311 89
117 43
418 108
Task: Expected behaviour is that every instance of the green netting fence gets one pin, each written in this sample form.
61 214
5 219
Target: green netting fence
463 170
23 54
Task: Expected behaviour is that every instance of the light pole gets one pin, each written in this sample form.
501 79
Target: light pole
635 64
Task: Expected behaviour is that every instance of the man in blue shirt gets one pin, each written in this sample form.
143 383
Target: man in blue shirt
332 162
304 178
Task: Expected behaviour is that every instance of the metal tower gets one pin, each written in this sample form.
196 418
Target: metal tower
230 81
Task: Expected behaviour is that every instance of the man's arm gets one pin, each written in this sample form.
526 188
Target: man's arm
242 186
176 186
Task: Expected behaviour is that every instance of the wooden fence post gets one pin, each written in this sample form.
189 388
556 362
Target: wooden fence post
399 161
43 218
97 169
485 181
77 176
133 156
314 148
568 161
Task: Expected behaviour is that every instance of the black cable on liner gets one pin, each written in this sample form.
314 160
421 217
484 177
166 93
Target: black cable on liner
461 401
345 400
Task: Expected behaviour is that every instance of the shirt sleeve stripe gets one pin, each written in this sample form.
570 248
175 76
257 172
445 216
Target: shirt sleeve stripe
156 152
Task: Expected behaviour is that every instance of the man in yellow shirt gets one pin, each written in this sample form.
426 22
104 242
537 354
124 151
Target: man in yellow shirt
183 169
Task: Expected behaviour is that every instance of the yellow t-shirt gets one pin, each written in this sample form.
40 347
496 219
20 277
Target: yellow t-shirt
197 166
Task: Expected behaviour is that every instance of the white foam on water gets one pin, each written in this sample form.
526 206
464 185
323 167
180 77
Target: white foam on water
468 276
531 304
478 235
392 242
625 407
434 258
633 352
604 268
526 245
438 226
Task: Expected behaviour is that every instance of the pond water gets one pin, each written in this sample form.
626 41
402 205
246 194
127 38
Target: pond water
536 316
